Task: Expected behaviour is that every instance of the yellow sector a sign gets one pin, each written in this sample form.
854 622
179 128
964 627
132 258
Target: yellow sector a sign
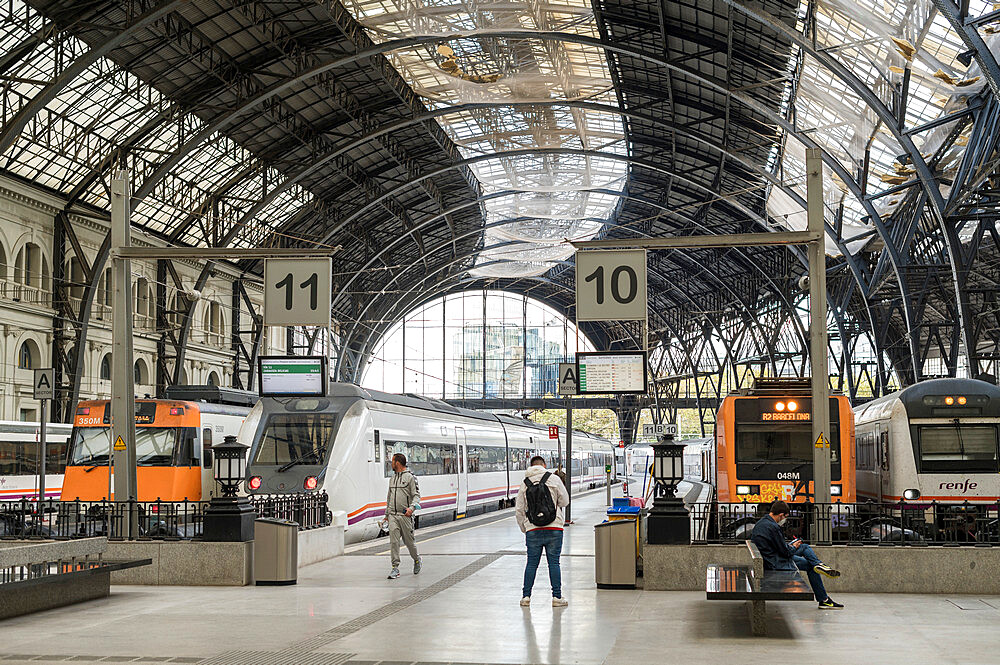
119 443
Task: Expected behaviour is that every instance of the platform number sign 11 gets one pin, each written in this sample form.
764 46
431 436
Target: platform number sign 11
611 285
297 292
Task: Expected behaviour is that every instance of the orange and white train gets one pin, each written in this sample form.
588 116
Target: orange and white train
466 462
173 439
764 445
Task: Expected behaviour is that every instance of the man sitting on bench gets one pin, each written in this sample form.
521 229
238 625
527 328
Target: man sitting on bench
781 555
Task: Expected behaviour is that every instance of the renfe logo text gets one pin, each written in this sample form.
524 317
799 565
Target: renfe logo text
963 487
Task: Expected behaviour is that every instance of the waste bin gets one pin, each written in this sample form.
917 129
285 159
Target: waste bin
275 551
614 549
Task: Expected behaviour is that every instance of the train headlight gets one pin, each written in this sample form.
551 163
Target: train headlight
911 494
793 406
742 489
779 406
835 490
254 483
962 401
310 483
949 400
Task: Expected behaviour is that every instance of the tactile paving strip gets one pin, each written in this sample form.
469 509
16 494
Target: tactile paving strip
365 620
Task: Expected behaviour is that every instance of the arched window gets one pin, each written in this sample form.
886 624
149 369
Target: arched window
28 356
3 269
106 367
144 311
140 373
75 278
213 379
214 324
31 275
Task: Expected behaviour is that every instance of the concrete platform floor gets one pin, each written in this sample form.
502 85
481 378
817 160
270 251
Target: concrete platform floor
464 609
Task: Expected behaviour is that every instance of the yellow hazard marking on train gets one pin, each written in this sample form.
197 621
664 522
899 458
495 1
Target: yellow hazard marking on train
119 443
822 441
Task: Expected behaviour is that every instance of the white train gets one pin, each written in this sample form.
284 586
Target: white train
935 441
19 459
467 462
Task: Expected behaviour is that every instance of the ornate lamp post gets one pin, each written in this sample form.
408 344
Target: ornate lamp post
229 517
668 522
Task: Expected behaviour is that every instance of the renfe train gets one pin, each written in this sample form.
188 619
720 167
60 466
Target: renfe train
466 461
935 440
173 441
19 459
765 446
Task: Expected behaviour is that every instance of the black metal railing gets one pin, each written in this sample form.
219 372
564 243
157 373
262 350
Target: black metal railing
903 523
156 520
309 511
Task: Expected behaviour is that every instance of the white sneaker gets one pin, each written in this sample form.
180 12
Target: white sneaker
526 601
559 602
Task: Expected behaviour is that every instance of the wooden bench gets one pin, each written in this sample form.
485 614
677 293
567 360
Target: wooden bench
36 576
756 586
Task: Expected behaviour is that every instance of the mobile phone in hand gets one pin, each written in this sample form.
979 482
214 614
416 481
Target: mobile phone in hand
796 542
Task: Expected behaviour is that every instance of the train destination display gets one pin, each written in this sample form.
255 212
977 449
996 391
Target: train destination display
292 376
619 372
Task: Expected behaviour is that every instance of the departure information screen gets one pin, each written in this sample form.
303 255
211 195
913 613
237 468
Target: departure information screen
613 372
292 376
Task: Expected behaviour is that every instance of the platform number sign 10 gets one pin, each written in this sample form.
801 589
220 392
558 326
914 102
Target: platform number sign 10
611 285
297 292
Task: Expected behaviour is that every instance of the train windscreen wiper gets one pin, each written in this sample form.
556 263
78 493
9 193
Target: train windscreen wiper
318 454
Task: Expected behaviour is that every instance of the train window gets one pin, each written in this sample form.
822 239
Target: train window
206 447
164 446
957 448
301 438
486 458
9 457
423 459
780 442
90 447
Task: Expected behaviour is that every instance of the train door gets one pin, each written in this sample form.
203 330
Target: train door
883 465
463 474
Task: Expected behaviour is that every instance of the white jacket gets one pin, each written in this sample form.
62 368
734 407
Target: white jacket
560 497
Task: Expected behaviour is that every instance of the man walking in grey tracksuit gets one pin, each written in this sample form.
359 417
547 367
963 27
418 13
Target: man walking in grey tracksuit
401 502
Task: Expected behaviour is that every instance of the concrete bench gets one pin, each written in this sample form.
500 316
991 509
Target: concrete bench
755 585
36 576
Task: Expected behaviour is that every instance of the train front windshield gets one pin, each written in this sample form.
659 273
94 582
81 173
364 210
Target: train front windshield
968 447
154 446
296 438
780 443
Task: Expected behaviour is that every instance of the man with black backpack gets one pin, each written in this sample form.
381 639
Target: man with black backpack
539 511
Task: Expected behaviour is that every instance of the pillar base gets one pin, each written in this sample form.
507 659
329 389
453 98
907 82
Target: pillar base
668 523
229 519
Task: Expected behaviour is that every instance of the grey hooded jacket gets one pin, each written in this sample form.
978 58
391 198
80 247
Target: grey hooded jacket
404 492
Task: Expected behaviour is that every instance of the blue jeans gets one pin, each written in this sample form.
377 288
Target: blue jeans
805 559
551 541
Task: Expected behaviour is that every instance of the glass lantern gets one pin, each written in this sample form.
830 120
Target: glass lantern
230 464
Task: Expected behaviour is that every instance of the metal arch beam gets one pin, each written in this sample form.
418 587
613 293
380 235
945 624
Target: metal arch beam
591 106
391 45
751 264
13 129
927 181
684 295
969 34
416 41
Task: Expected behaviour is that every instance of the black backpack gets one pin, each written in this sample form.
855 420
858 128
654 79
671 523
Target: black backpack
541 510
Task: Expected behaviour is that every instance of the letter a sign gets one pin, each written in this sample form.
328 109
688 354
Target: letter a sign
568 384
44 380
